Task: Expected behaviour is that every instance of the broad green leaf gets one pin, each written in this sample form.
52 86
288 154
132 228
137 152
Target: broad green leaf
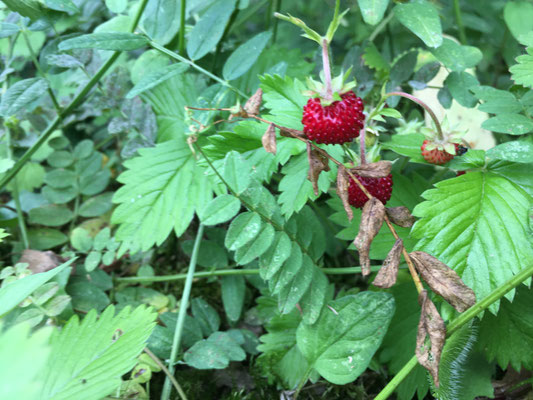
477 224
516 151
32 9
116 6
270 261
206 316
314 298
16 291
221 209
291 294
118 41
518 16
496 101
422 19
211 254
88 358
21 95
46 238
215 352
407 145
163 187
87 296
62 5
162 20
81 239
508 336
257 246
50 215
512 124
242 230
232 172
457 57
155 78
60 178
208 31
288 271
83 149
60 159
7 29
242 59
233 290
23 356
160 341
96 206
373 10
522 73
460 84
340 345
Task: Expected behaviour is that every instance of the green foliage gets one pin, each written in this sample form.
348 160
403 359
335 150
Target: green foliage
22 94
422 19
242 59
373 11
117 41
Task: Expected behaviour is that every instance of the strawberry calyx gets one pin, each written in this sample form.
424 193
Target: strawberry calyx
339 86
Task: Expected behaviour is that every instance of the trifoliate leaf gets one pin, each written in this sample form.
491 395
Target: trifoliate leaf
215 352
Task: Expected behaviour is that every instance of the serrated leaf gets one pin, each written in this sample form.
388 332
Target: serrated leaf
233 290
422 19
89 358
21 95
457 57
221 209
242 230
314 298
341 344
477 224
512 124
242 59
208 31
155 78
215 352
373 10
516 151
234 165
288 271
117 41
291 294
270 261
518 16
257 246
522 73
205 315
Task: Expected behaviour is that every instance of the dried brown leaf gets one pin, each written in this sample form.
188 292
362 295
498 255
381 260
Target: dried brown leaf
253 105
40 261
401 216
432 327
317 163
386 276
444 281
371 221
342 190
269 139
378 169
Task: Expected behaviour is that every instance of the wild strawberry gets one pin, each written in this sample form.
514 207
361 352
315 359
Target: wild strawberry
381 188
337 123
438 154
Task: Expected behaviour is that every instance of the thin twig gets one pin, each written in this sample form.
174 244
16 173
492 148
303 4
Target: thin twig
167 373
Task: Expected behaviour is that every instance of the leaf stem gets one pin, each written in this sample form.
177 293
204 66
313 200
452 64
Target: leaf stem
327 71
181 37
457 323
167 373
380 27
176 342
69 109
459 21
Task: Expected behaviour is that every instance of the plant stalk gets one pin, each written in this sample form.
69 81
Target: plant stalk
181 37
327 71
176 342
167 373
459 21
380 26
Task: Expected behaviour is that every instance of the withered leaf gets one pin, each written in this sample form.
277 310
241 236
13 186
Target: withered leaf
432 327
386 276
342 190
253 105
317 163
444 281
269 139
378 169
371 221
40 261
401 216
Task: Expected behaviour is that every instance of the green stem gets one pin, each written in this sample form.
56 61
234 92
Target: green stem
302 383
277 8
165 395
184 60
70 108
381 25
181 33
457 323
459 21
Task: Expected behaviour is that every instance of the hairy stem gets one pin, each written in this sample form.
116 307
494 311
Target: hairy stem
362 144
176 342
327 71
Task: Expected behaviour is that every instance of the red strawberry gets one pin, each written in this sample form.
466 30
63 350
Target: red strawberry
435 153
337 123
459 173
381 188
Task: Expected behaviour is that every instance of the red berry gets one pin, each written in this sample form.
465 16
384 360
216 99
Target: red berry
459 173
436 156
338 123
381 188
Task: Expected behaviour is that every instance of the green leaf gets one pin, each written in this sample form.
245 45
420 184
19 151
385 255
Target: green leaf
221 209
83 149
272 260
81 240
516 151
163 187
16 291
60 178
233 290
116 6
27 8
314 298
211 254
30 177
522 73
209 30
7 29
156 77
256 247
117 41
460 84
89 358
457 57
508 336
340 345
242 59
46 238
422 19
477 224
242 230
215 352
23 356
206 316
96 206
290 294
234 165
497 101
62 5
87 296
407 145
373 10
21 95
50 215
162 20
518 16
512 124
60 159
93 260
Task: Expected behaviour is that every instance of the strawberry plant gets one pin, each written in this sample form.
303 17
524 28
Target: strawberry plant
279 199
